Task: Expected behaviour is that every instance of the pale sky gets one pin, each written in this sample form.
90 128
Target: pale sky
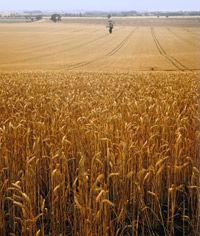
106 5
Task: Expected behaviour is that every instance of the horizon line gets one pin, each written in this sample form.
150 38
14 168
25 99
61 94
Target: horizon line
83 10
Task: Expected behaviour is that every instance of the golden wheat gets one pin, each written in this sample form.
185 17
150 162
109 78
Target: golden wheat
99 154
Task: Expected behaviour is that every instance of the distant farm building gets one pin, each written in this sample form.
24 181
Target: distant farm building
56 17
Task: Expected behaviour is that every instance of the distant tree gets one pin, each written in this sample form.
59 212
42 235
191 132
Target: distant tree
56 17
109 16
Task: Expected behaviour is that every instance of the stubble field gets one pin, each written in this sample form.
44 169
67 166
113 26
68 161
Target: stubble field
99 133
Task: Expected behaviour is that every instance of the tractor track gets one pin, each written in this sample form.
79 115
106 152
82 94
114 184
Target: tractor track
63 42
181 38
61 51
109 54
120 45
44 45
197 34
162 52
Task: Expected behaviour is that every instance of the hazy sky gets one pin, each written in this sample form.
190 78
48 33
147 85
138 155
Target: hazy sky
109 5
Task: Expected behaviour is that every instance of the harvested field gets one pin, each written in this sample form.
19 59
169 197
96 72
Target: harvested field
99 133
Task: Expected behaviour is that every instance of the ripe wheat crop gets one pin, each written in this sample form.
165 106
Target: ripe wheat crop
99 154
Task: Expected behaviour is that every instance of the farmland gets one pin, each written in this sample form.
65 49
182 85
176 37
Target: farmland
99 133
134 46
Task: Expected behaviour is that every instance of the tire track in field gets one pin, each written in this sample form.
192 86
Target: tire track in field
191 32
44 44
61 42
54 43
120 45
162 52
60 51
181 38
109 54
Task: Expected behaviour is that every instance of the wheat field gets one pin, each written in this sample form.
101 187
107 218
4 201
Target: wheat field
99 137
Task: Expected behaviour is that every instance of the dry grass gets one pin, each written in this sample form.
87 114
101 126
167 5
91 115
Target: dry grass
99 154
